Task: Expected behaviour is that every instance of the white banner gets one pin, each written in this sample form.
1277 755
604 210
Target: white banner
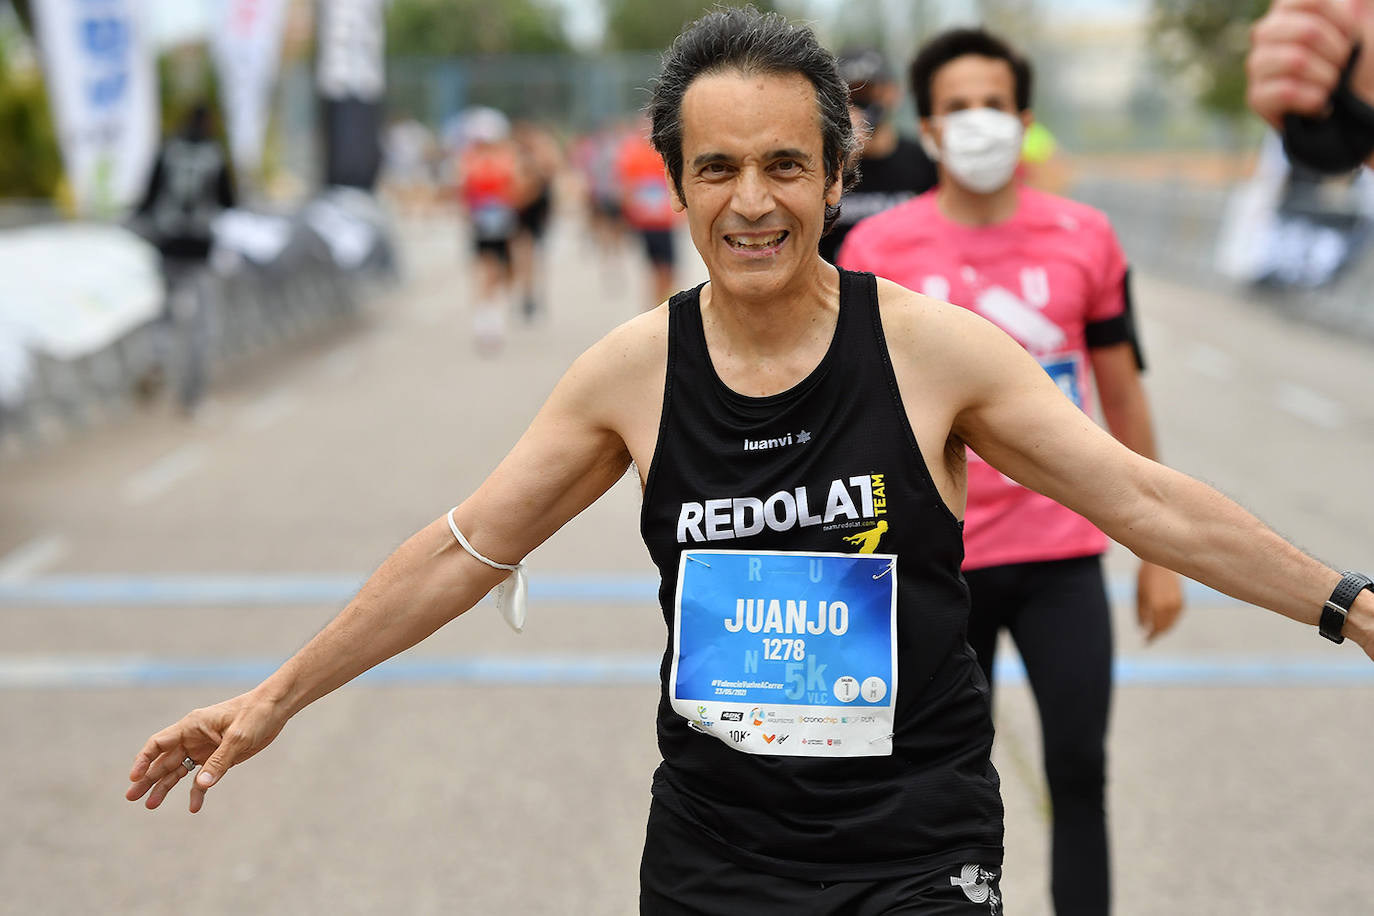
352 42
246 41
103 93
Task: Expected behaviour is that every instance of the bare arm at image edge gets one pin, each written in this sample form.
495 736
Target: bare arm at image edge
565 460
1126 410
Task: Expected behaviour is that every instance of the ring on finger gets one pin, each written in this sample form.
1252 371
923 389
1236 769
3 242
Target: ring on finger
190 765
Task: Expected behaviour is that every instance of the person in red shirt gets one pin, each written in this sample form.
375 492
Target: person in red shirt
488 183
647 206
1049 272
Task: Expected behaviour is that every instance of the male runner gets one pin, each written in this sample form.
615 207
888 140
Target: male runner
1305 81
824 725
1050 273
540 159
489 177
190 186
646 204
892 168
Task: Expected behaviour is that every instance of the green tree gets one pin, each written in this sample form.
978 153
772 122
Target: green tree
30 164
1204 42
453 27
649 25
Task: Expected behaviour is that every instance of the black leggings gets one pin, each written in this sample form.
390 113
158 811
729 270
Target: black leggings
1058 615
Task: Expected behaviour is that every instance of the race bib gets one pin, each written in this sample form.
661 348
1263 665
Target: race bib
493 221
787 654
1064 370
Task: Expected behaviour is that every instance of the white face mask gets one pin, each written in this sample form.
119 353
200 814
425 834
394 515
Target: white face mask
981 147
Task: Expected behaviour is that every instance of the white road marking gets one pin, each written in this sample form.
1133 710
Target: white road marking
163 474
268 410
32 557
1308 405
1211 362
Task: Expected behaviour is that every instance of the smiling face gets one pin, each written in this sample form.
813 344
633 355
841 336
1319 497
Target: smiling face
754 183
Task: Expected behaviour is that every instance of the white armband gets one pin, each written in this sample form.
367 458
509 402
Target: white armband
510 594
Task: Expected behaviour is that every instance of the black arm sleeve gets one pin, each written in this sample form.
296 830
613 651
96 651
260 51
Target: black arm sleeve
1121 329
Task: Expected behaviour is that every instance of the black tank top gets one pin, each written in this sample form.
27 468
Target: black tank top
934 800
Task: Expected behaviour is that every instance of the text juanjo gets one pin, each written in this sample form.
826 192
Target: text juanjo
762 615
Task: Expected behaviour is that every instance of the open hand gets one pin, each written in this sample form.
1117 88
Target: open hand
217 736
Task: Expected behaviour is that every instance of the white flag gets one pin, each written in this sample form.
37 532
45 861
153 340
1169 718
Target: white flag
103 93
350 54
246 42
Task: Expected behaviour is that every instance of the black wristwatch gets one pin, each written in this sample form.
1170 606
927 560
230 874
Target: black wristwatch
1338 605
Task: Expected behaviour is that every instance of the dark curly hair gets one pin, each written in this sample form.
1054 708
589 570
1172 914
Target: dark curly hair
955 43
746 40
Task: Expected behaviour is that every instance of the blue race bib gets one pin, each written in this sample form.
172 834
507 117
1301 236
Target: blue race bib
787 654
1064 371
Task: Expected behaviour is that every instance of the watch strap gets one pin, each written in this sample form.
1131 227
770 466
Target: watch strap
1338 605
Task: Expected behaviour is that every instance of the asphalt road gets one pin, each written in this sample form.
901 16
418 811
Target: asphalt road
156 564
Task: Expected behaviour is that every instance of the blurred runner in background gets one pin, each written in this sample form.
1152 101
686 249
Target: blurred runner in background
892 168
647 207
189 187
408 158
488 181
1051 274
595 158
540 160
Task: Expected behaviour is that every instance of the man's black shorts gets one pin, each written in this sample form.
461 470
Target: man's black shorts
658 245
494 248
683 873
534 216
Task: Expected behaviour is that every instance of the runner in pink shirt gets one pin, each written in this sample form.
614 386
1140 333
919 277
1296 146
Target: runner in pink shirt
1048 271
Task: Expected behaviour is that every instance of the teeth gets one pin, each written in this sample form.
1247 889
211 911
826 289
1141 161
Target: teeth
757 243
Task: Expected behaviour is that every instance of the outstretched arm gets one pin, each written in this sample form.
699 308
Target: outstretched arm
568 457
1017 419
1126 409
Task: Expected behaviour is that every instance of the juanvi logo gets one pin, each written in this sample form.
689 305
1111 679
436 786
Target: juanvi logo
753 445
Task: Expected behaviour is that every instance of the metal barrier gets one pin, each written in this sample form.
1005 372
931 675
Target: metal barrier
242 307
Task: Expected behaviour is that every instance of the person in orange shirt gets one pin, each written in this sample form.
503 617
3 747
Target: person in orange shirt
647 206
487 184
